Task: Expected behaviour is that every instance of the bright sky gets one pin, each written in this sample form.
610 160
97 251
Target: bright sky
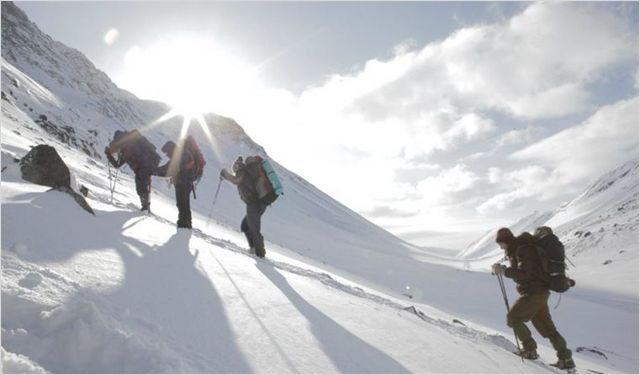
438 121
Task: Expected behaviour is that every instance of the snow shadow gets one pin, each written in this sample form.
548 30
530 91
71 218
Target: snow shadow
166 287
163 289
349 353
64 223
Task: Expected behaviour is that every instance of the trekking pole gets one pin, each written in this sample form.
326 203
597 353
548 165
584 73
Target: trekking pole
112 184
215 198
570 262
506 303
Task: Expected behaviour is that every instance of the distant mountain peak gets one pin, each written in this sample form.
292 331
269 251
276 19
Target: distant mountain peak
630 168
613 194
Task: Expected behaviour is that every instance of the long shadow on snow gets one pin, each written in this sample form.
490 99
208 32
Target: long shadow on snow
53 217
163 286
349 353
166 287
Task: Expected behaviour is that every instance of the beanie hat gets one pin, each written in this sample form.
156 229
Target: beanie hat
504 235
168 147
237 164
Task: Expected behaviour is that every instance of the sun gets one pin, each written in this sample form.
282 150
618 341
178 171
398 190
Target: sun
193 75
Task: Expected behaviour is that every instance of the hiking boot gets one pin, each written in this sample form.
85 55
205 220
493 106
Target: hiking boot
252 250
145 203
565 364
528 353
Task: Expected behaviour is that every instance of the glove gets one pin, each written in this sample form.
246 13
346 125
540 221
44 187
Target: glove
223 173
107 150
498 269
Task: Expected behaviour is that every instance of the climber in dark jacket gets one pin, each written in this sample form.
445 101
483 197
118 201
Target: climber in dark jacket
140 155
250 225
180 168
525 268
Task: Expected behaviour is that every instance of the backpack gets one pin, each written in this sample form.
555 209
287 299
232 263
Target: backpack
198 159
264 180
144 150
551 254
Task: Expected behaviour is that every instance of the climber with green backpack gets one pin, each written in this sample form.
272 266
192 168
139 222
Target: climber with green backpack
258 186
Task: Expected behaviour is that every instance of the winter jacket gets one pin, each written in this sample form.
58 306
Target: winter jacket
525 266
245 183
182 173
135 150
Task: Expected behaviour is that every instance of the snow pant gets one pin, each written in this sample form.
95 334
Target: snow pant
143 186
183 201
534 308
251 227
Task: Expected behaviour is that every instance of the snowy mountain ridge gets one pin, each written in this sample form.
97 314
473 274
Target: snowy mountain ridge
49 61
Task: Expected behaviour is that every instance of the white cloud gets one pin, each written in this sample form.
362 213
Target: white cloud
495 175
414 174
607 138
570 159
521 185
372 127
514 137
536 65
557 101
405 47
457 180
468 128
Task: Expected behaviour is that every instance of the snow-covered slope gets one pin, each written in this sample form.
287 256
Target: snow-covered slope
599 229
145 297
83 108
125 292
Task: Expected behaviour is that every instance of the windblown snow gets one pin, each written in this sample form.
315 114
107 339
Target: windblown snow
127 292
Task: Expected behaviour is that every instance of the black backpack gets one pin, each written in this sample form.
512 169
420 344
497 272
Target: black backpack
551 254
137 149
145 147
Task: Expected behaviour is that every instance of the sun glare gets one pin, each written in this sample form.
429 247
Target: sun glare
193 75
